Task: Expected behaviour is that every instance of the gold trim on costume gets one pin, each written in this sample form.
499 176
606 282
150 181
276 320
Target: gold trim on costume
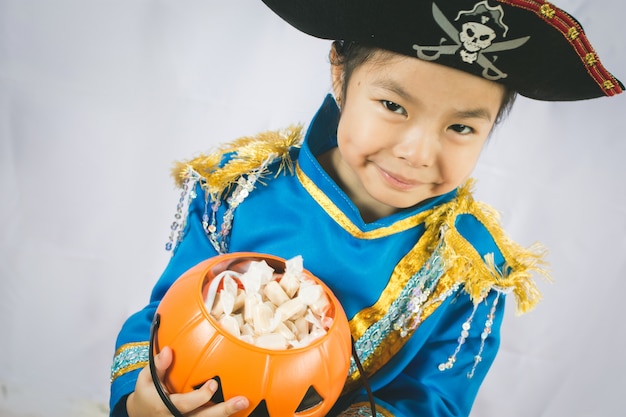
358 410
129 357
249 153
342 220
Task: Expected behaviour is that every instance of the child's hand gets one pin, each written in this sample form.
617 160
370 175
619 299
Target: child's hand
145 401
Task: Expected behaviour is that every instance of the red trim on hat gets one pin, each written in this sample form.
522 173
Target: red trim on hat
573 32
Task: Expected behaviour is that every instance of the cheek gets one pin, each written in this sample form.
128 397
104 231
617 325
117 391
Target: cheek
366 134
354 139
458 164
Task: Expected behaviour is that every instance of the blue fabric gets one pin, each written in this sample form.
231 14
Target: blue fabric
282 218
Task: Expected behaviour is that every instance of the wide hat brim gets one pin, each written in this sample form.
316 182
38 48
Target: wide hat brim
531 46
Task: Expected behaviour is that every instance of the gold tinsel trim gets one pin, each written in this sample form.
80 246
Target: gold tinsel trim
480 275
362 407
248 154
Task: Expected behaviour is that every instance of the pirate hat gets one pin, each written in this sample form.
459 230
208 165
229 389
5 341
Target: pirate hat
531 46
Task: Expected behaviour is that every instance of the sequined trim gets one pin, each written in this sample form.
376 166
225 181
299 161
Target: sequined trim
466 326
242 189
380 338
363 409
341 219
187 194
129 357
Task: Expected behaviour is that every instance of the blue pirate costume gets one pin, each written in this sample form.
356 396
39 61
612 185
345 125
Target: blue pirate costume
424 288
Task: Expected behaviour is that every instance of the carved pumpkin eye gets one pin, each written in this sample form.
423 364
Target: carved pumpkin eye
260 410
311 399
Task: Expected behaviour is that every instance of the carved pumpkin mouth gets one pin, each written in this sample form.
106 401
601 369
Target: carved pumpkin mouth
311 400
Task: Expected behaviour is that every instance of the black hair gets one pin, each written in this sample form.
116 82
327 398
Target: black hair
350 55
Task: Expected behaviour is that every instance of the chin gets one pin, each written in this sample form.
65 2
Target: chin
395 204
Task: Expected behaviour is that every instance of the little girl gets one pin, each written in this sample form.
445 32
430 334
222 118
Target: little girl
377 197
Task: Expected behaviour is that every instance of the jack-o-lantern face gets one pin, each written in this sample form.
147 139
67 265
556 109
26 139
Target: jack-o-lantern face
299 382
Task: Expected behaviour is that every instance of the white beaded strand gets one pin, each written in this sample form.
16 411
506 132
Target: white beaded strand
188 193
465 328
486 332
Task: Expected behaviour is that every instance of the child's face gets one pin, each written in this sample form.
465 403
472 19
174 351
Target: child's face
410 130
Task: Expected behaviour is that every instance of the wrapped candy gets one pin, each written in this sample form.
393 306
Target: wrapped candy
268 309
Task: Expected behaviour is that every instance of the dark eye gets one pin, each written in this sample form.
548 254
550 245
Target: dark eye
462 129
393 107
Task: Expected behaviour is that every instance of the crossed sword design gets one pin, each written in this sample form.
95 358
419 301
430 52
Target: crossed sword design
490 71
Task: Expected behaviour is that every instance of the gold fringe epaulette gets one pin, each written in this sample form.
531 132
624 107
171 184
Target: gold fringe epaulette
480 275
248 154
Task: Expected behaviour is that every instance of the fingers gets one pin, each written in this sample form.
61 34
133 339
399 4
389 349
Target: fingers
162 361
224 409
195 399
234 405
145 400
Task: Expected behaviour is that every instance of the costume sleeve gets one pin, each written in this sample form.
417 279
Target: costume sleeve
426 387
132 343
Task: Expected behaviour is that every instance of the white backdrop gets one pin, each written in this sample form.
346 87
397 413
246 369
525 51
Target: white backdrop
99 97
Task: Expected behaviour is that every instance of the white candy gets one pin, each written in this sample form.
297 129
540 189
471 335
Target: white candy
271 341
310 294
247 330
217 309
294 266
250 303
273 311
230 324
230 285
239 319
290 284
262 319
227 299
302 328
275 293
320 306
240 301
285 331
291 309
258 274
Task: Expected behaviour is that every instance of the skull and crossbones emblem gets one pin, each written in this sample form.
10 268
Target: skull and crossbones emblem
476 37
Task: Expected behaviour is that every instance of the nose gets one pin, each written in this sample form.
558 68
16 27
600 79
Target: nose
418 148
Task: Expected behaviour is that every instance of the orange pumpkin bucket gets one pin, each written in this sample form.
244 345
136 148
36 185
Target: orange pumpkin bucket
301 381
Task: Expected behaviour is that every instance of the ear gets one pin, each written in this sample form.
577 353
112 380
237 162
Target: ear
337 75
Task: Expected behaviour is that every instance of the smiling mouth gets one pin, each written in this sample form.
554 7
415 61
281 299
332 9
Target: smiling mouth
397 181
